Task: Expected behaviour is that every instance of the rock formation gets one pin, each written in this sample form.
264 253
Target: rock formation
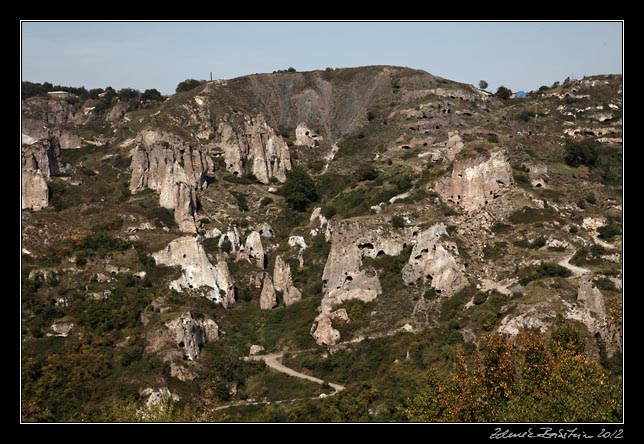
191 334
432 259
40 161
267 298
343 277
197 271
255 148
283 281
165 163
474 182
254 249
304 136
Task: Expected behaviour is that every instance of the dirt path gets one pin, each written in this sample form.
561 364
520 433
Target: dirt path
273 361
577 271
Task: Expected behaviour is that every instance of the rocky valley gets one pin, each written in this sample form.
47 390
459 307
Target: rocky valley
366 244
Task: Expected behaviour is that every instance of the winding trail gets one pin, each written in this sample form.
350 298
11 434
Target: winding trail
577 271
273 361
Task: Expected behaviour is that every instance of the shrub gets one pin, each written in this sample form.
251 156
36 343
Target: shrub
226 246
609 231
524 115
398 221
503 93
264 201
580 153
299 189
152 95
187 85
483 84
291 69
242 202
371 115
329 211
366 172
126 94
480 297
492 138
545 269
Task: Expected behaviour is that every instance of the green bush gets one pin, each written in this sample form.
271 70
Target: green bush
503 93
398 221
152 95
188 84
480 298
545 269
524 115
371 115
299 189
366 172
581 153
609 231
264 201
226 245
242 202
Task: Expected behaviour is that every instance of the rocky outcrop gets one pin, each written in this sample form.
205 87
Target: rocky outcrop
454 145
304 136
254 147
474 182
40 160
198 274
283 282
255 250
165 163
344 278
433 259
191 334
265 230
267 298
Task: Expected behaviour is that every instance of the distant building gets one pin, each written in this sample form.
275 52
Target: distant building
60 94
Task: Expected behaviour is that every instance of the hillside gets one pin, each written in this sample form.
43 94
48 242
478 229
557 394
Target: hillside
373 228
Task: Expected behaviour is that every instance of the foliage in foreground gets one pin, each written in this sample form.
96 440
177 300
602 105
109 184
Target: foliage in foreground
527 382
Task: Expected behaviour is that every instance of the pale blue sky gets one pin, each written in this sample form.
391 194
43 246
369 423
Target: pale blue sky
142 55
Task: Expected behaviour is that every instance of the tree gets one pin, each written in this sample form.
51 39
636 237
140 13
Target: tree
187 85
126 94
291 69
522 382
483 84
299 189
503 93
152 95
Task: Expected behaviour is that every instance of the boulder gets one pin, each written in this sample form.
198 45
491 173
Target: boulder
215 282
255 349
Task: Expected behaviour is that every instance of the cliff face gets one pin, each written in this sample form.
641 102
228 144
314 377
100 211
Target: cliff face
475 182
165 163
40 160
254 147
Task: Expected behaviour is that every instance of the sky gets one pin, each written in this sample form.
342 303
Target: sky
145 55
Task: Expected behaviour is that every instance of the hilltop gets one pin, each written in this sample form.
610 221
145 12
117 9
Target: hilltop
363 226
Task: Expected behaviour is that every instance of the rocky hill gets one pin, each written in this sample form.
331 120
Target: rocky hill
364 225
